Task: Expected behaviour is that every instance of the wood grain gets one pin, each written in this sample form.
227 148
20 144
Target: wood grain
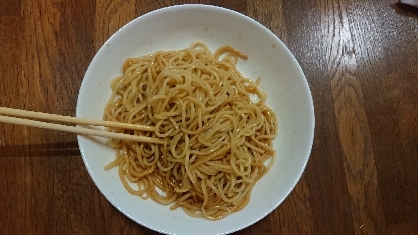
360 60
351 120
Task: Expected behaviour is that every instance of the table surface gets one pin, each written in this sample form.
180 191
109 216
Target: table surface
360 59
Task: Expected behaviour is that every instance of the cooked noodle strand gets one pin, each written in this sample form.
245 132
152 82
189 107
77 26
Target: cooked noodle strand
217 139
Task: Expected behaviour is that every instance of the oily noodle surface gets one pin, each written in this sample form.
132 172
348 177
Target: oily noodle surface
215 138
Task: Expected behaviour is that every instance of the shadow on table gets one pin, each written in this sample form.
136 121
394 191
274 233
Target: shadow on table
405 10
59 149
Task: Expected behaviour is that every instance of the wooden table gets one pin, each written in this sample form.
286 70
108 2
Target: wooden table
360 59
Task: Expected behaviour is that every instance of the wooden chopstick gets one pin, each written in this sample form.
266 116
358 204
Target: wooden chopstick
73 129
75 120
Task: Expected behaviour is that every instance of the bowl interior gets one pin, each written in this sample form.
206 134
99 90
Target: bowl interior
177 27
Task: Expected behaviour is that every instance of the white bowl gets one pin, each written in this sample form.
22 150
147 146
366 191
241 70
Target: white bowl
282 78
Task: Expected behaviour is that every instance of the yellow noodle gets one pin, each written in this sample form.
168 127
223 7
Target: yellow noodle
216 139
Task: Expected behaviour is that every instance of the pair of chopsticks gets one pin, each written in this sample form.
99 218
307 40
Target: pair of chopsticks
17 116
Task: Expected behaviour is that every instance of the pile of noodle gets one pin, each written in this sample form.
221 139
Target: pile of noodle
216 127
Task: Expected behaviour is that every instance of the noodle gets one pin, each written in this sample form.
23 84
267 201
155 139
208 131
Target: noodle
217 139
